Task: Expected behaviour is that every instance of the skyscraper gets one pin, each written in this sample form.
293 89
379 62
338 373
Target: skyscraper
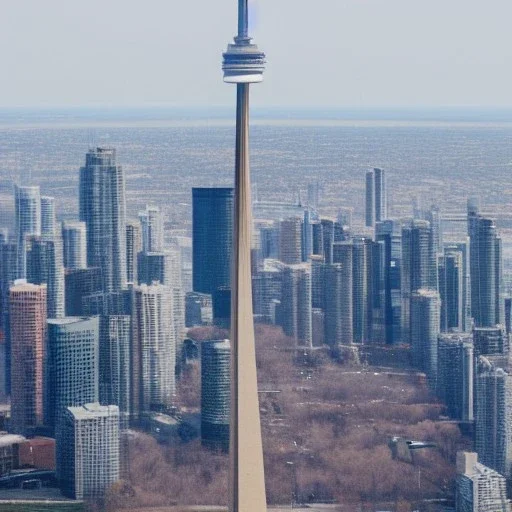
212 229
215 393
425 329
455 382
376 197
296 312
88 461
243 65
74 237
290 241
27 319
451 289
419 267
153 350
27 204
133 247
81 283
485 269
493 414
103 209
388 233
152 229
45 266
360 286
48 218
73 365
338 305
478 487
114 364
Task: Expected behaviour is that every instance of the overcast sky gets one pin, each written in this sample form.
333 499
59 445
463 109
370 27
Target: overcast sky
320 52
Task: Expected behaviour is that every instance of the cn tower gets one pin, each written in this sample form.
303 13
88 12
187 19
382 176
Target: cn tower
243 65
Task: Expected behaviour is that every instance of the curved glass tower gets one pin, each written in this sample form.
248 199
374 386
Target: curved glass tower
243 64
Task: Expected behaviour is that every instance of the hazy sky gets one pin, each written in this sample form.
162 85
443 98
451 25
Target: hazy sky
320 52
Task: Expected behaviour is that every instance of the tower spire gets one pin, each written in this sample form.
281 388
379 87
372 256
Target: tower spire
243 64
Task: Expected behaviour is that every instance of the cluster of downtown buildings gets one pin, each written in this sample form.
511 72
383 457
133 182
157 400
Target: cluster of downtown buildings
95 311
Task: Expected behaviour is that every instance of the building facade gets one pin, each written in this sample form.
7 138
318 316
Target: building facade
88 459
102 204
27 321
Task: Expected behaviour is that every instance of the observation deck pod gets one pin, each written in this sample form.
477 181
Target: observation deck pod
243 62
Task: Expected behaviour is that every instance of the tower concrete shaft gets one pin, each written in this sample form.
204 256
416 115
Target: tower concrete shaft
243 64
247 483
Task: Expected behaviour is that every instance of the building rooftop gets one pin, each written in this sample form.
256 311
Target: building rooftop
93 410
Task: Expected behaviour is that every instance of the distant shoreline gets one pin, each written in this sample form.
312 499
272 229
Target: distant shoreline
165 116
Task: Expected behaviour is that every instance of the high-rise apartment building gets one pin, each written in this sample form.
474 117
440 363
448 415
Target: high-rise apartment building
493 413
362 288
376 197
151 222
73 365
419 267
425 329
296 303
215 393
133 247
103 209
153 350
79 284
212 229
338 304
45 266
114 364
290 241
88 459
455 370
451 290
485 269
74 238
478 487
388 262
27 325
27 204
461 248
491 341
48 218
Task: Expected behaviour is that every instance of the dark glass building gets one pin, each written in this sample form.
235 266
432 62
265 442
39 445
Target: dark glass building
212 233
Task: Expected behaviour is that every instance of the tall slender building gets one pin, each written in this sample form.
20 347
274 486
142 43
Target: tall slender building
27 204
133 247
451 289
455 382
74 238
152 229
419 267
493 413
212 233
290 241
376 198
296 313
153 349
388 233
425 329
243 64
27 317
485 269
45 266
103 209
48 218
